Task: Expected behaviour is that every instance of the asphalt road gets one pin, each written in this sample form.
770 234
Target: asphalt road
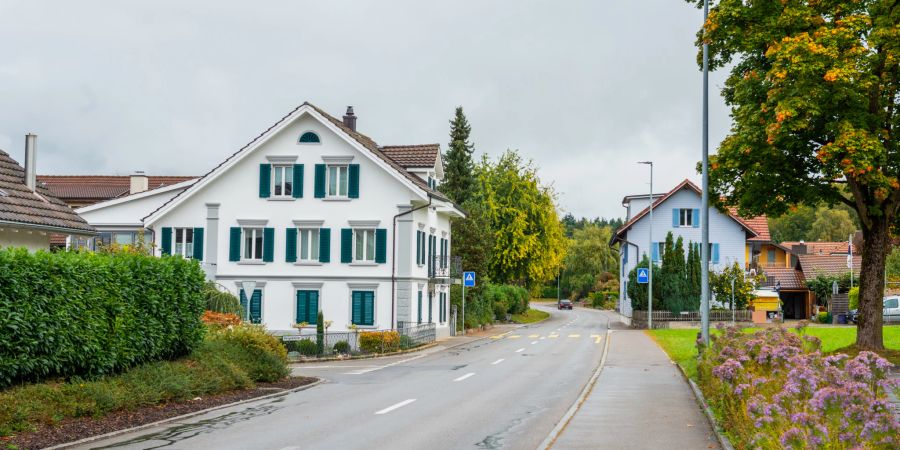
507 391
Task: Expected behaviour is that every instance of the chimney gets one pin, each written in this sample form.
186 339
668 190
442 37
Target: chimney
30 161
139 182
800 249
350 119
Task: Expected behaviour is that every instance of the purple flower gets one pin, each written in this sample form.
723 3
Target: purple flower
728 370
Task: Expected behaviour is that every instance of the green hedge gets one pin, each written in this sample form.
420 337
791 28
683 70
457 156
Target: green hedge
89 314
489 302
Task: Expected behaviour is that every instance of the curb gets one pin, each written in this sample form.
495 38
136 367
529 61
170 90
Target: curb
183 416
724 442
377 355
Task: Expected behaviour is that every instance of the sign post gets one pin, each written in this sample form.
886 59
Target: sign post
468 281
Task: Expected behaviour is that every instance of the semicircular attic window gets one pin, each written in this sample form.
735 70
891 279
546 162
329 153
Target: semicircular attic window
309 138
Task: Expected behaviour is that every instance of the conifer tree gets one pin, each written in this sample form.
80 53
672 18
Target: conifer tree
459 178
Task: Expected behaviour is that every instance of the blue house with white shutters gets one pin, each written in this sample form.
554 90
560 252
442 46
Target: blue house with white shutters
313 216
678 212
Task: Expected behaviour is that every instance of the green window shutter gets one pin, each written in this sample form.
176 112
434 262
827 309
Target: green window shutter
381 245
324 245
346 245
234 244
320 181
268 244
166 244
198 244
290 245
265 180
245 311
298 181
418 247
419 309
356 308
256 307
368 308
430 301
313 306
302 312
353 184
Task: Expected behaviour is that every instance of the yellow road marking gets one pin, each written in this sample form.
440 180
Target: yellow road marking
597 338
515 336
534 335
574 335
553 336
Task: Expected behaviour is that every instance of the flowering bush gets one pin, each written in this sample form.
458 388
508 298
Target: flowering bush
379 341
775 389
217 319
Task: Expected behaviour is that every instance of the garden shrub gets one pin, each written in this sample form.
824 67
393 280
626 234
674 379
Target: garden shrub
379 341
406 342
824 317
262 355
853 296
342 347
221 301
90 314
307 347
775 389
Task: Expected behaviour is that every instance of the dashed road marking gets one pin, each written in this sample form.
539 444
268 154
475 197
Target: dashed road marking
465 376
515 336
553 336
534 342
597 338
520 350
497 362
395 406
534 335
574 335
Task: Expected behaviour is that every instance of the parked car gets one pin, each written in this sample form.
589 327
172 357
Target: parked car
564 304
891 310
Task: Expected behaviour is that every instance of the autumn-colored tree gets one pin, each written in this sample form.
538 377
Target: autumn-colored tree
588 259
813 89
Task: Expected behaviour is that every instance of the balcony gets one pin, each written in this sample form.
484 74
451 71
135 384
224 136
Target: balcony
439 267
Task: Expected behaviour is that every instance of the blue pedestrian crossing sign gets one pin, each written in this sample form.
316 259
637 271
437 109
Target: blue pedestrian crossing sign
643 275
469 279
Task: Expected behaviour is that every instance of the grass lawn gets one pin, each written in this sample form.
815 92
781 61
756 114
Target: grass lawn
680 343
530 316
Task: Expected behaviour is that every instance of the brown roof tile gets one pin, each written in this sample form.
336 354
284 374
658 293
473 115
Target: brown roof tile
789 278
760 224
814 265
410 156
820 248
20 205
100 187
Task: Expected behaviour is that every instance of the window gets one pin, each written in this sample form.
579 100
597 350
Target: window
686 217
891 303
337 181
184 242
362 308
253 244
283 181
253 310
307 307
309 138
364 245
770 256
308 244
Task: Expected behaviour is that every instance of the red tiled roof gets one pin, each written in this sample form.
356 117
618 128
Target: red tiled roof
814 265
820 248
760 224
684 184
18 204
100 187
413 155
789 278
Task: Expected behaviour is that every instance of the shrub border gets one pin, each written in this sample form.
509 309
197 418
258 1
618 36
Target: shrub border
100 437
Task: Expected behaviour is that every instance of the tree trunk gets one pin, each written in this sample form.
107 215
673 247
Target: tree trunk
871 285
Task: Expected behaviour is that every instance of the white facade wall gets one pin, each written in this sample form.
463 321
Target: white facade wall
723 230
127 211
32 240
381 197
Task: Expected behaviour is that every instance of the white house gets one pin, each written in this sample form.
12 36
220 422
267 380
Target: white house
314 216
678 212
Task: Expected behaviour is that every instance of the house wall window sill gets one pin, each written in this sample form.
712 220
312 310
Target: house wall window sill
282 199
308 263
252 263
363 327
364 264
337 199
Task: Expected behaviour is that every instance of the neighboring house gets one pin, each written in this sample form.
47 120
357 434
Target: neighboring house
30 213
314 216
795 249
761 251
791 283
678 212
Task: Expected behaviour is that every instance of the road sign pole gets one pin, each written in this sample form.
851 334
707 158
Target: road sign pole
464 308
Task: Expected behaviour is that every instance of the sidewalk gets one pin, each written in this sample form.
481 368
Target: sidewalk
640 401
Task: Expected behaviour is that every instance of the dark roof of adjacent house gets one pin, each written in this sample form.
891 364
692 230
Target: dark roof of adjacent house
100 187
410 156
819 248
20 205
686 184
788 277
814 265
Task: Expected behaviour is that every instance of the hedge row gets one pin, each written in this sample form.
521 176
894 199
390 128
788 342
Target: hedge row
89 314
489 302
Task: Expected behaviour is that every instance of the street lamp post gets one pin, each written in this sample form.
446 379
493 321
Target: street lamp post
650 268
704 202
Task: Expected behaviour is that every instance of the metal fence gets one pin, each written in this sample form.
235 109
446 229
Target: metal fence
661 319
359 342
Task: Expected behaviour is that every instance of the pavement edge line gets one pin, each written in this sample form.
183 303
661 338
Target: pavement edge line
588 388
113 434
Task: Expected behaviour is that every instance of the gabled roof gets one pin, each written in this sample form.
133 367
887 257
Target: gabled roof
413 156
813 265
819 248
100 187
144 194
41 209
365 142
686 184
760 224
788 277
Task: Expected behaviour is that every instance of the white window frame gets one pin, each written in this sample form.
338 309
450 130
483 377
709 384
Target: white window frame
254 249
185 252
367 234
685 217
285 181
339 168
312 234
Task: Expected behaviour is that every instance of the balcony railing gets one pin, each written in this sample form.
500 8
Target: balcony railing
439 267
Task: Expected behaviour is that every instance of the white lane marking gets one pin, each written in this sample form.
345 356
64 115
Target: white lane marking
596 338
497 362
520 350
533 342
542 338
360 372
465 376
393 407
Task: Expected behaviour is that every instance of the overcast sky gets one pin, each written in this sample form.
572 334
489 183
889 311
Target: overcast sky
584 88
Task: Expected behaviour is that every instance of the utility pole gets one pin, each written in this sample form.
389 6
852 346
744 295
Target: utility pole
650 274
704 202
